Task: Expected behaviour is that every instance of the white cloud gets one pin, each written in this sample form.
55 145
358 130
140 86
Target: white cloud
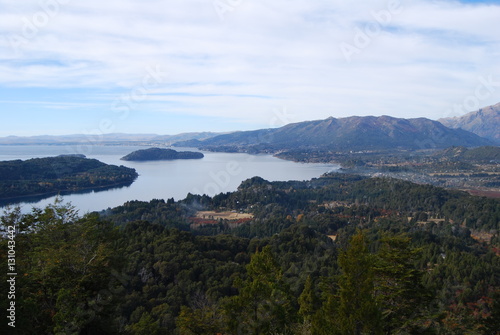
425 57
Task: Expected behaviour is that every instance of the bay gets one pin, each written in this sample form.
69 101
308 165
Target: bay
215 173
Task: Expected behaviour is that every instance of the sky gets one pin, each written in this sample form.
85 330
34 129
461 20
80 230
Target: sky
174 66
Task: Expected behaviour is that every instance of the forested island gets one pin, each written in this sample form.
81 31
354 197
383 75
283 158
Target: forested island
341 254
62 174
156 154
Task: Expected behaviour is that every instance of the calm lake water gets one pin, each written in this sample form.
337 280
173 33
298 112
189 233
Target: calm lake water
215 173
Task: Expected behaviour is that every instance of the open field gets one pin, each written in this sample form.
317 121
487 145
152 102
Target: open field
485 193
213 215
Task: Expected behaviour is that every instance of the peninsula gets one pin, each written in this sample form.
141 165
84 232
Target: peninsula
63 174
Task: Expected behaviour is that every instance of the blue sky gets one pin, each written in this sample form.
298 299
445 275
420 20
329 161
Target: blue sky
175 66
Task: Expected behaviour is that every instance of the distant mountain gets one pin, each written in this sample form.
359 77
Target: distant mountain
345 134
156 154
116 138
484 122
171 139
76 138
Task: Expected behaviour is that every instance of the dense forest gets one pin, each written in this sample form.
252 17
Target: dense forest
340 254
154 154
52 175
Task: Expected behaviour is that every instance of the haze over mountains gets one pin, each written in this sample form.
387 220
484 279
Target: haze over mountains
356 133
485 122
114 138
351 133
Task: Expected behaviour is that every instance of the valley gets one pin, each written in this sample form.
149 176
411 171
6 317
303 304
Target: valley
425 258
232 167
475 170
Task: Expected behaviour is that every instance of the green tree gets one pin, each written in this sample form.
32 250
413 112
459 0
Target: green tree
264 302
145 326
64 262
200 321
357 312
398 285
307 300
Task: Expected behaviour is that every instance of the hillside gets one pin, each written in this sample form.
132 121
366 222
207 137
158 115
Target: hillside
156 154
308 256
345 134
481 154
484 122
63 174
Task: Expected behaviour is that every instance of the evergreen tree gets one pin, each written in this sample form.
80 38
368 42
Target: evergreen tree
264 303
307 300
398 285
357 312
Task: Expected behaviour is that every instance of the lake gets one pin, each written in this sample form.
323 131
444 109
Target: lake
215 173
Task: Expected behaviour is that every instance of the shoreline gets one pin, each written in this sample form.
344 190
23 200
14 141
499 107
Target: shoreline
4 202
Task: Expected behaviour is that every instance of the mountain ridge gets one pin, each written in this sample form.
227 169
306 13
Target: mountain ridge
484 122
344 134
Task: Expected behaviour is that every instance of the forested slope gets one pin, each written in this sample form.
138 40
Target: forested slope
340 254
52 175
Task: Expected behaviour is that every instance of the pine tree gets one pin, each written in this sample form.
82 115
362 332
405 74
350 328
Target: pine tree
307 300
200 321
264 303
357 309
398 288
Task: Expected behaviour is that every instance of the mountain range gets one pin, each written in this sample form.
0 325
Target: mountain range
114 138
355 133
484 122
344 134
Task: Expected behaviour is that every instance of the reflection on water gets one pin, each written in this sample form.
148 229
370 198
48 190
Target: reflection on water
215 173
34 199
